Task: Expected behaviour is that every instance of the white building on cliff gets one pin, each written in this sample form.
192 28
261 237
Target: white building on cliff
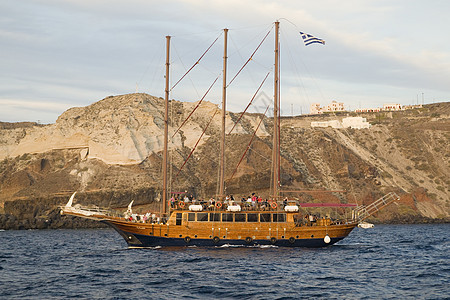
349 122
332 107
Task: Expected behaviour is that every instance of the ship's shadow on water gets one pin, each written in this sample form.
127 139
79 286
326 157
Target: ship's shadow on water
390 261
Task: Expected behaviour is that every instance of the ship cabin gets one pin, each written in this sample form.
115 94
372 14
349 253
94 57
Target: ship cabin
228 218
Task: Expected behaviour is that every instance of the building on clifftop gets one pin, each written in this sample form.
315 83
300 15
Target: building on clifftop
334 106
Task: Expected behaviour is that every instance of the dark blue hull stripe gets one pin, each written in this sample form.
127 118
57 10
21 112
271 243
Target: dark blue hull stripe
136 240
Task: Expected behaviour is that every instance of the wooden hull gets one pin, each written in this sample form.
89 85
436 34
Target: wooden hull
220 234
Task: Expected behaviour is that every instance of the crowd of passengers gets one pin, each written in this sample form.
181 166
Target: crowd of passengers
308 219
252 202
299 220
148 217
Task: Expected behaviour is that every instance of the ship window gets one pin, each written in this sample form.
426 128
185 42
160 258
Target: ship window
191 217
252 217
279 217
202 217
264 217
179 218
214 217
227 217
239 217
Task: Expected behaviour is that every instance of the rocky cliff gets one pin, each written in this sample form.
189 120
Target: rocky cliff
110 152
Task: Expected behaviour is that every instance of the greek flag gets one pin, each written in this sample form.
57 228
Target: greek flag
309 39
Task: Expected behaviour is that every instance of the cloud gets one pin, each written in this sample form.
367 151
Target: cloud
33 105
76 52
31 110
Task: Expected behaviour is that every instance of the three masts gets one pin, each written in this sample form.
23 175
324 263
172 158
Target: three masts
276 140
281 224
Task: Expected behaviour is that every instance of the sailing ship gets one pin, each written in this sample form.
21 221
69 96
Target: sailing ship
224 221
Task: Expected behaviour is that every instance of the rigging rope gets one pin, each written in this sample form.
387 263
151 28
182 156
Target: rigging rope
245 110
198 104
249 144
196 144
196 63
249 59
185 68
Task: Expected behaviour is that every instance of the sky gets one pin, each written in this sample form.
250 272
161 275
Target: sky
57 54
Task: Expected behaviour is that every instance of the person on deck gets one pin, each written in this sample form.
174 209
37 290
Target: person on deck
266 204
211 204
311 220
254 200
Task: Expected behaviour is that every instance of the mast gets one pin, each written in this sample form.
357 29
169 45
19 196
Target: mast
222 140
276 125
166 128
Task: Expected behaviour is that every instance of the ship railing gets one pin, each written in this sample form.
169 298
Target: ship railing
363 212
271 205
95 209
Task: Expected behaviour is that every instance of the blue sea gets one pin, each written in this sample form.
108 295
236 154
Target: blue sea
385 262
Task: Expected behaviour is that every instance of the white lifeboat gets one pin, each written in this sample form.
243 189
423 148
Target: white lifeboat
234 208
291 208
365 225
195 207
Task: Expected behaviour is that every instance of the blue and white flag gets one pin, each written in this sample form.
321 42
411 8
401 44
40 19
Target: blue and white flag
309 39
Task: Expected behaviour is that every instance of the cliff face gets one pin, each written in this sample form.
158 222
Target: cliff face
110 152
116 130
